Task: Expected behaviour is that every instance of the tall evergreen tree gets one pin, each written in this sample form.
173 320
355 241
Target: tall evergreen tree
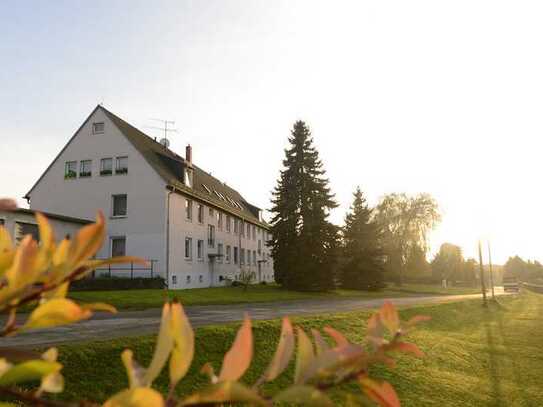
303 241
363 257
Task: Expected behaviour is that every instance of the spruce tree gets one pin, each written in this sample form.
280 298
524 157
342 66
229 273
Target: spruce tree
363 257
303 242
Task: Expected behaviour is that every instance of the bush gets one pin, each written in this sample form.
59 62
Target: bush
115 283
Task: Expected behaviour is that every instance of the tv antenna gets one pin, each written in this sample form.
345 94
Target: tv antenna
167 128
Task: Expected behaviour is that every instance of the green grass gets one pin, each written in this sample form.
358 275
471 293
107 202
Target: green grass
142 299
474 356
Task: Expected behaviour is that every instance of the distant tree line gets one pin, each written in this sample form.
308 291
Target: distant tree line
527 271
310 253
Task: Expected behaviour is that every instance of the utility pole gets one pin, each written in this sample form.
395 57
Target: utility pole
490 271
483 287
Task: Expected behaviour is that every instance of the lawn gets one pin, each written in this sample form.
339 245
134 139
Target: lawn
474 356
142 299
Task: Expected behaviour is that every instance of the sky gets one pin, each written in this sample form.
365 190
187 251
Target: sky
418 96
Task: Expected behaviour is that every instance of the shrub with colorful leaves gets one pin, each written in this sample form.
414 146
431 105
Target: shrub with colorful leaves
40 274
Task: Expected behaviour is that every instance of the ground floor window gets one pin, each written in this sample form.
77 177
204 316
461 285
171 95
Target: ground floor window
118 246
174 280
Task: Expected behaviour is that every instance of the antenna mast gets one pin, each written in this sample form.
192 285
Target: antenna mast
165 129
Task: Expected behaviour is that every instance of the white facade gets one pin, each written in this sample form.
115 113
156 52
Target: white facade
144 227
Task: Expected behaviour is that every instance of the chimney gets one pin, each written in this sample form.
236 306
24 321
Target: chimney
188 155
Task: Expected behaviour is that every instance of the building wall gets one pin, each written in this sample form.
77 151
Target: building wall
144 224
193 272
61 228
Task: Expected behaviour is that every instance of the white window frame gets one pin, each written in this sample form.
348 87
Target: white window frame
118 169
228 253
111 239
201 214
113 206
104 172
84 174
96 125
74 171
189 241
200 253
188 210
211 236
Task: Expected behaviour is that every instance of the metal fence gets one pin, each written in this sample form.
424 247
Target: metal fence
128 270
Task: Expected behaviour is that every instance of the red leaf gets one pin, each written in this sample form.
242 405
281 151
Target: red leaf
406 347
382 393
283 353
238 358
337 336
389 317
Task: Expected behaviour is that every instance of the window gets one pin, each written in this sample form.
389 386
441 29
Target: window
119 205
210 236
259 246
254 257
188 279
22 229
98 128
227 257
174 280
241 228
220 252
118 246
206 188
235 226
188 248
121 166
85 168
200 250
211 214
254 232
188 177
242 256
228 224
188 209
70 169
248 230
200 213
200 278
219 220
235 255
106 166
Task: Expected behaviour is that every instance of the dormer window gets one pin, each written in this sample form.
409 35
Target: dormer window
188 177
98 128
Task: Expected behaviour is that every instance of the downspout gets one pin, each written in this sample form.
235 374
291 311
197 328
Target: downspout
168 238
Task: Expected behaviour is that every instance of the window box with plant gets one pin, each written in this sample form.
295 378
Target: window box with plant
70 170
106 172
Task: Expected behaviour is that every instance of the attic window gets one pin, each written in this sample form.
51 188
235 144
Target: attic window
219 195
98 128
206 188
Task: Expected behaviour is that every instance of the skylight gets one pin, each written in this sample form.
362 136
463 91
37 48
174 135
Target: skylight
206 188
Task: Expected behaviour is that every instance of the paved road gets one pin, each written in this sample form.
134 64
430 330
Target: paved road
133 323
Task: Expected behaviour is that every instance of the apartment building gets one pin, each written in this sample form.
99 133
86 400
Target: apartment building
198 231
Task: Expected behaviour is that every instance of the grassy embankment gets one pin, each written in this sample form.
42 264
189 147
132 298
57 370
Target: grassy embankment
474 356
142 299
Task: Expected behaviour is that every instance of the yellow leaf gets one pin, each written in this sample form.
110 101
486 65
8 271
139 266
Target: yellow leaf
238 358
4 366
28 371
59 292
227 391
304 356
50 355
137 397
52 383
55 312
22 272
47 237
183 337
134 371
283 353
99 306
6 250
88 241
61 253
164 345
